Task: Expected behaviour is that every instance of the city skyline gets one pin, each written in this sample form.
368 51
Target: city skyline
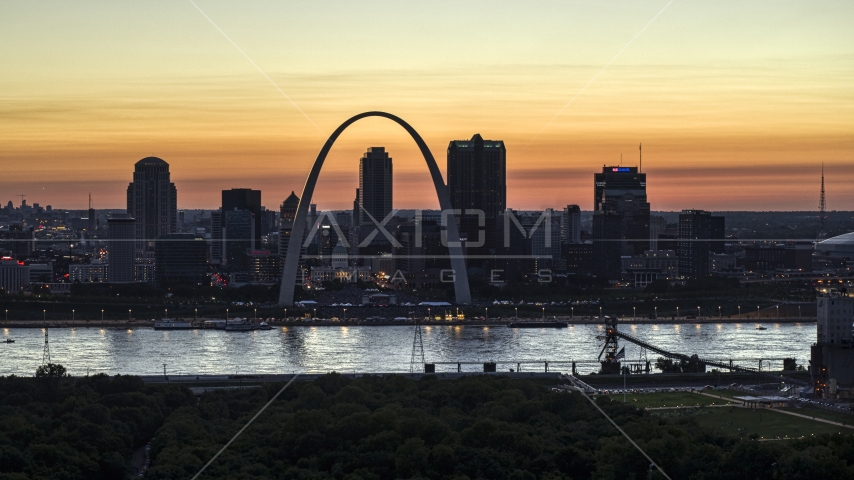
725 93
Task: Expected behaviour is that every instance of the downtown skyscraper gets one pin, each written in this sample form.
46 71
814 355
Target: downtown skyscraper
152 200
620 218
375 186
477 184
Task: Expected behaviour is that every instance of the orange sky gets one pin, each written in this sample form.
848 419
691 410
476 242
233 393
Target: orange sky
737 104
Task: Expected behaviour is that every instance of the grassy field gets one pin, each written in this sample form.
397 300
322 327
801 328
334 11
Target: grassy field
675 399
844 418
759 423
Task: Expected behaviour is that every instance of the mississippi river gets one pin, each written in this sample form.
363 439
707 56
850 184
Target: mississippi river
374 349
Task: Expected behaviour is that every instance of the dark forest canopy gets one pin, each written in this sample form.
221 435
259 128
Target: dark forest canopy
374 428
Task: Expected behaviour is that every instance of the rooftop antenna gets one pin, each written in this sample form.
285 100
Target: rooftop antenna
822 208
640 153
90 200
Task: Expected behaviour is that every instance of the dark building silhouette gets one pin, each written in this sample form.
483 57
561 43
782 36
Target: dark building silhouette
375 186
620 218
759 258
19 240
287 215
570 224
217 232
477 175
578 257
477 182
239 237
152 200
181 258
245 199
698 232
717 233
263 267
121 248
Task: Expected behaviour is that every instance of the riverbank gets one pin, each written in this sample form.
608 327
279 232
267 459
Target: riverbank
492 322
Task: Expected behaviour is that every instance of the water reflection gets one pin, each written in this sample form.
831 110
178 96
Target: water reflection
370 348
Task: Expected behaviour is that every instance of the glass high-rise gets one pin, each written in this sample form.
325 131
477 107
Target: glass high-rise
375 186
620 218
152 200
477 185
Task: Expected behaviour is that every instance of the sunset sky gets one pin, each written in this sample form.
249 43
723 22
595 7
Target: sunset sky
737 104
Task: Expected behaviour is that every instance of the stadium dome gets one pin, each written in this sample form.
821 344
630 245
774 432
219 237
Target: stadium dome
839 246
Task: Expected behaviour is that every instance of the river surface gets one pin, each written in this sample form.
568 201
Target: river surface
143 351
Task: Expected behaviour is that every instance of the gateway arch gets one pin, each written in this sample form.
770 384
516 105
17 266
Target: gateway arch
289 273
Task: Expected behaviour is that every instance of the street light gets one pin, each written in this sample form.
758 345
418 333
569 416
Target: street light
72 314
44 315
517 312
195 314
256 313
739 312
487 313
600 314
166 313
286 314
226 315
7 314
778 311
799 311
102 314
572 315
757 312
698 312
719 313
128 315
345 314
677 313
656 312
634 314
544 313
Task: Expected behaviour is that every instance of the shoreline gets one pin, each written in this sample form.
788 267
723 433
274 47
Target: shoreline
503 322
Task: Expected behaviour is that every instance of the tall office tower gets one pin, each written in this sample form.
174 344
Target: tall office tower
181 258
570 224
620 218
698 231
287 215
245 199
90 229
477 175
216 236
121 248
152 201
477 180
375 185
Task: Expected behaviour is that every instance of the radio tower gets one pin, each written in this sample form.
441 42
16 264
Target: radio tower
46 354
822 209
417 350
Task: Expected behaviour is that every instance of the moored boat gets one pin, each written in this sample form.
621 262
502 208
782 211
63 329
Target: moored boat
554 324
172 324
